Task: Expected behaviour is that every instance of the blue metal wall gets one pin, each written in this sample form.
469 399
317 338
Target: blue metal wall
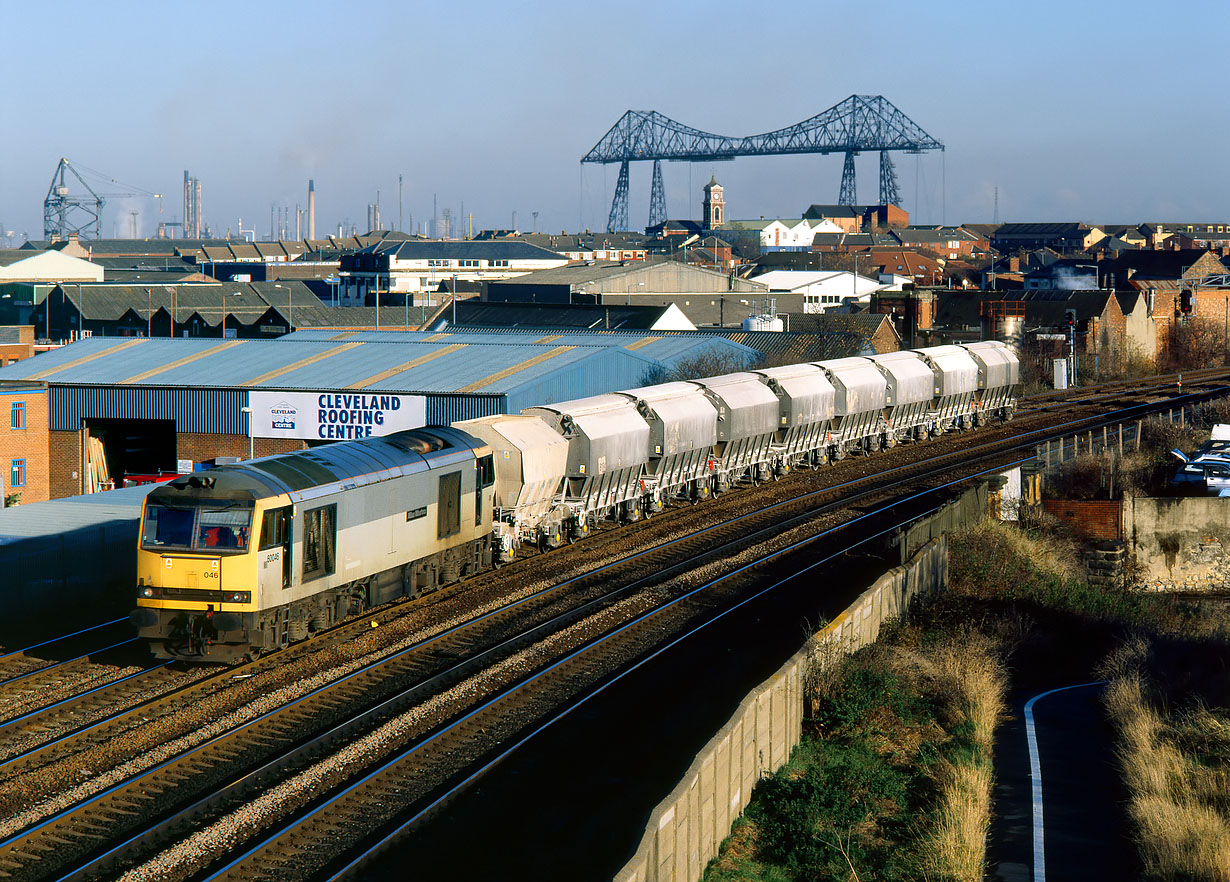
445 409
210 411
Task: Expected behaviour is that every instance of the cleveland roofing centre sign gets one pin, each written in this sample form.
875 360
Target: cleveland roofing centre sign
333 416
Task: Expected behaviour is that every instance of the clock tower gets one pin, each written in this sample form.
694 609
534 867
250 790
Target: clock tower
713 208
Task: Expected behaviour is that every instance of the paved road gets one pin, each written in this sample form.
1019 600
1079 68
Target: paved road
1084 827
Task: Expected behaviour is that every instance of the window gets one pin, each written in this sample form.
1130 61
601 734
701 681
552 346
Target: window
276 533
497 263
319 541
468 263
484 472
215 525
223 528
275 528
18 420
17 475
168 526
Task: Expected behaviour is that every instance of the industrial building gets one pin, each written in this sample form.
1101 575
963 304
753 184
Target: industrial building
104 411
645 283
413 266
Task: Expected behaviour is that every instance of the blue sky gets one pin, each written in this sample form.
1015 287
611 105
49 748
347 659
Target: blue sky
1073 110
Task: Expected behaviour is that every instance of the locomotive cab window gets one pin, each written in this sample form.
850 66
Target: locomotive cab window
171 527
449 509
319 541
212 526
223 528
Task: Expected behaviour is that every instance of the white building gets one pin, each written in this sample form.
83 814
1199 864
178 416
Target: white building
784 234
419 266
822 290
23 265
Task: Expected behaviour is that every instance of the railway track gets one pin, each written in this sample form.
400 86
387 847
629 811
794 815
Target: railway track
52 723
172 777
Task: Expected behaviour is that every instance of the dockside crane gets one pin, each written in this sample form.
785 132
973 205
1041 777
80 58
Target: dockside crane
65 214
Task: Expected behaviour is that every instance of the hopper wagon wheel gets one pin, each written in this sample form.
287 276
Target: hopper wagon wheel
254 653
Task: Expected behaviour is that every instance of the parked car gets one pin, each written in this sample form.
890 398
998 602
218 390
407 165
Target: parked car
1207 470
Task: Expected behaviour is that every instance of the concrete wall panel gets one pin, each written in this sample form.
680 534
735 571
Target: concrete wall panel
1179 543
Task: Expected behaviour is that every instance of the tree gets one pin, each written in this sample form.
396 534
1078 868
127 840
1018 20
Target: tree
709 362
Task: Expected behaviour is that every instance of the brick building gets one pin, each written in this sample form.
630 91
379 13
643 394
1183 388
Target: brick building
856 218
16 343
1062 237
24 451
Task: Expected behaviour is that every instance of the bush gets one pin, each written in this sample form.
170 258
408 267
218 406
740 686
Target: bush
826 821
1089 476
863 692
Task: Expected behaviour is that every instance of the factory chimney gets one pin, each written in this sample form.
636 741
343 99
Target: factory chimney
311 231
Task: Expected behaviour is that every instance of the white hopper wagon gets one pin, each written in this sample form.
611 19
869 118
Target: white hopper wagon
746 425
999 372
683 431
608 443
956 382
530 460
806 400
861 393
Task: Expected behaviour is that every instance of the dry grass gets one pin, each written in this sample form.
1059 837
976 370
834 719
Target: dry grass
1178 797
968 670
956 845
1008 556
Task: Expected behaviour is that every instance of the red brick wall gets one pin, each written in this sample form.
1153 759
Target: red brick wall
62 459
200 447
29 444
1090 518
64 454
11 352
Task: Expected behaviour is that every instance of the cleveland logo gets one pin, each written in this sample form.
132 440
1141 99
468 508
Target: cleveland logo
283 416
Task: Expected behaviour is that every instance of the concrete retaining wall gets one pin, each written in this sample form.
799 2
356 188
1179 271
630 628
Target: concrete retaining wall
686 830
1179 543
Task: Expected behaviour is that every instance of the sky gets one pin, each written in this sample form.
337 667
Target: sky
1069 110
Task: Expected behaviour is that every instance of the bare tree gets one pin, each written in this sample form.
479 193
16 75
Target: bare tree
1195 343
709 362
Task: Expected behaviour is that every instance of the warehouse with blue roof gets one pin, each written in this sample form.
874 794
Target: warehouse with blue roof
104 412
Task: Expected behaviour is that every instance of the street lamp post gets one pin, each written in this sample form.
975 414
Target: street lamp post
251 441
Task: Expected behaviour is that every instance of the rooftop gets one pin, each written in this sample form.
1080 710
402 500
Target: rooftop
412 366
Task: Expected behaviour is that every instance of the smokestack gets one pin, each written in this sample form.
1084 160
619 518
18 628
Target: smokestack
311 209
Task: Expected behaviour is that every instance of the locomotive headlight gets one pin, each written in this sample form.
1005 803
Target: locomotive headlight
150 591
237 597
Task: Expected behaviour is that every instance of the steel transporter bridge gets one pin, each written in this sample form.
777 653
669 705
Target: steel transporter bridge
860 123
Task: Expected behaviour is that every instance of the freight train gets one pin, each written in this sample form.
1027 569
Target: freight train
250 557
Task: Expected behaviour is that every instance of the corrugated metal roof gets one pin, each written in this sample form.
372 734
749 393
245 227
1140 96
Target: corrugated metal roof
663 346
489 367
